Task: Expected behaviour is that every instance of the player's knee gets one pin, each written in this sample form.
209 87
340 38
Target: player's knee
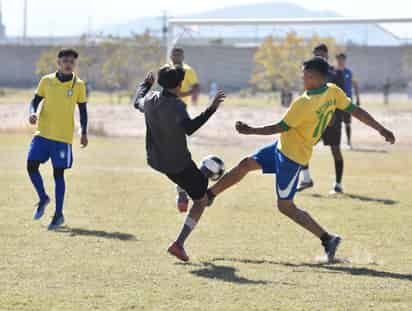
285 206
201 203
247 164
58 173
32 167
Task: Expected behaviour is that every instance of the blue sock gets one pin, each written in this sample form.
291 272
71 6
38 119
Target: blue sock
37 181
60 189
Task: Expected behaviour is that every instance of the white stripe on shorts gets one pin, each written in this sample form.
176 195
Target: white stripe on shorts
69 154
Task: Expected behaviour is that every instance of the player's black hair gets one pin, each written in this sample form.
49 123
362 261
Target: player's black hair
68 52
321 47
317 64
169 76
341 55
177 49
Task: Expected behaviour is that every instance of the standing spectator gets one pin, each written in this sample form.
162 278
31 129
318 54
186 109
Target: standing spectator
190 86
345 75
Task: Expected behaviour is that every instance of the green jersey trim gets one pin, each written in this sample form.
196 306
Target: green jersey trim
350 108
317 91
283 125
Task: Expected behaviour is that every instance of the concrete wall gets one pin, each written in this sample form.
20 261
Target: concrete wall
18 65
230 67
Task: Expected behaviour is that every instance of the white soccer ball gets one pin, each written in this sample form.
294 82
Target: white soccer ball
212 167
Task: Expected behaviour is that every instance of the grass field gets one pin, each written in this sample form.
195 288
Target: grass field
120 218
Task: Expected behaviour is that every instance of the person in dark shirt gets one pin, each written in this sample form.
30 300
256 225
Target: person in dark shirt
167 126
349 83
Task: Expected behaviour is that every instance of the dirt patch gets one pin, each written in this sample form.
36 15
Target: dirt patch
124 121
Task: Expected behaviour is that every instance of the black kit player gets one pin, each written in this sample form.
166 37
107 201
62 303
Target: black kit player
167 126
349 83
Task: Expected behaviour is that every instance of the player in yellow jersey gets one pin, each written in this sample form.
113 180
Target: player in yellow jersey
190 86
60 93
300 129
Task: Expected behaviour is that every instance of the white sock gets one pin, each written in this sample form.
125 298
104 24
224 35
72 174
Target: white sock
180 190
306 175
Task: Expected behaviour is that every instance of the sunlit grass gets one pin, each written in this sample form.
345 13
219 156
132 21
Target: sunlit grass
245 255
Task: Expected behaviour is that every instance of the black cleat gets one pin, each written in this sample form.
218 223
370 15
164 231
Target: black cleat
331 245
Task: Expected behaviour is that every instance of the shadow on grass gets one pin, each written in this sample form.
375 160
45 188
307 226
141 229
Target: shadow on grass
213 271
359 197
97 233
329 268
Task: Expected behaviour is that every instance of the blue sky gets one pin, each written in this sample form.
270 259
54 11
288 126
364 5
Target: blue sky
52 17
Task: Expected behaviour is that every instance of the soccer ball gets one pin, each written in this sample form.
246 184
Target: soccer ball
212 167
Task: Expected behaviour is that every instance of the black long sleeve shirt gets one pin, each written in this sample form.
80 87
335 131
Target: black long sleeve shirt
167 126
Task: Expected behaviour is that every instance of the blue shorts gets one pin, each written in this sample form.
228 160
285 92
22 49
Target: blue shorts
42 149
287 171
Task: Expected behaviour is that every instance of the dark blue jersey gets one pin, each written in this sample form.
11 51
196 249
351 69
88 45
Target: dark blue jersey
345 78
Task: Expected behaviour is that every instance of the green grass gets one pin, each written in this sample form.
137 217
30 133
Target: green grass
245 255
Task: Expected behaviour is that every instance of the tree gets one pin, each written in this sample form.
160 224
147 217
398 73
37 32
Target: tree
115 64
278 62
47 62
87 62
128 60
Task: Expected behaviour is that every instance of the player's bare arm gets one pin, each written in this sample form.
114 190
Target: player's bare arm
218 100
246 129
363 116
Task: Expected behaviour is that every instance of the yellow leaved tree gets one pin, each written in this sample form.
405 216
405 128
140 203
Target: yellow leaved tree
278 63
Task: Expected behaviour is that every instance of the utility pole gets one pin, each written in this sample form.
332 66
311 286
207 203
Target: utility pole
25 20
2 27
164 28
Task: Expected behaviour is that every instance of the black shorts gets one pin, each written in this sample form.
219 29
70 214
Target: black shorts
192 180
332 136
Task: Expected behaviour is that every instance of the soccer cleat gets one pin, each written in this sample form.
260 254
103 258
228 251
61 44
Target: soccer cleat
178 251
56 222
305 185
348 146
41 206
337 189
331 247
182 202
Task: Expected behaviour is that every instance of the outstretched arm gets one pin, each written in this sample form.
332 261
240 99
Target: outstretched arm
272 129
192 125
142 90
363 116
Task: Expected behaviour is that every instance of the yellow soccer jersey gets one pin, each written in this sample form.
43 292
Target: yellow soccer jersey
307 118
56 120
188 82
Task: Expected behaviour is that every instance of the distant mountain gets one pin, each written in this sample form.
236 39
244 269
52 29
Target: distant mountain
356 34
260 10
